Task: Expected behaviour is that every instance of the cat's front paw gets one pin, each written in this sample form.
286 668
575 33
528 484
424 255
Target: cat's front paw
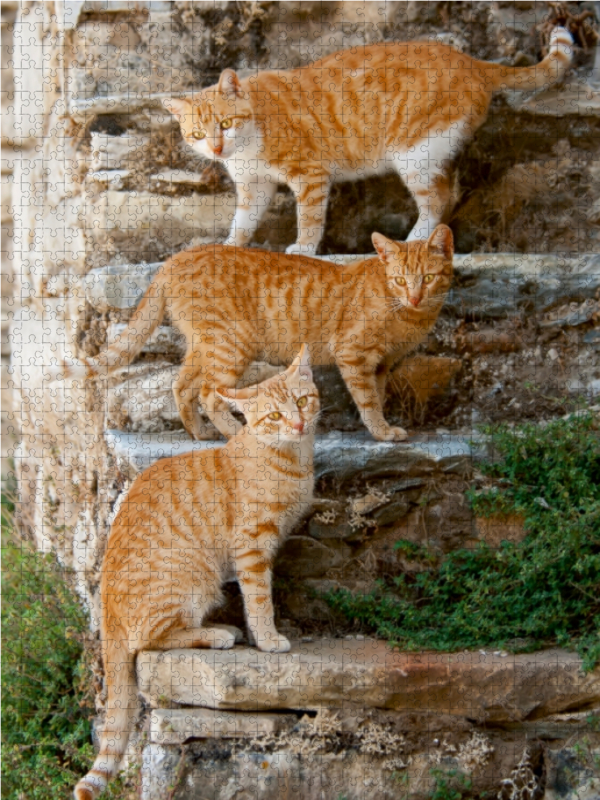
273 643
239 241
392 435
298 249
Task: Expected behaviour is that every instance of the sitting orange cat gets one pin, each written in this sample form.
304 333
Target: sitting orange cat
189 523
236 306
404 107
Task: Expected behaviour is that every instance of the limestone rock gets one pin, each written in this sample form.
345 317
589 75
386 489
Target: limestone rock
165 340
336 453
304 557
144 222
175 726
338 674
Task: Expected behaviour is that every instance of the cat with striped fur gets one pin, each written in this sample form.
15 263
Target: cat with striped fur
401 107
236 306
188 524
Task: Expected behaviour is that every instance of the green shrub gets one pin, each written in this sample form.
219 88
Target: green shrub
544 590
46 703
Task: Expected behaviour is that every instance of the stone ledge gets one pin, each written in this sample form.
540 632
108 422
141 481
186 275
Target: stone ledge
176 726
336 453
340 674
488 286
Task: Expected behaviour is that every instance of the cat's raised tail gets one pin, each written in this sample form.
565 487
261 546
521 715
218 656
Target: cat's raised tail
127 346
550 70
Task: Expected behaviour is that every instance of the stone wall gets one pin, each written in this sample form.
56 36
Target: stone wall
102 189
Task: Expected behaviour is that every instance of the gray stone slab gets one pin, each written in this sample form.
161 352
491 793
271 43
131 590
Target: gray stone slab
165 340
338 674
488 286
178 725
337 454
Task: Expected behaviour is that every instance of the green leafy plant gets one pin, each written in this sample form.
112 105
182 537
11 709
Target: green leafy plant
544 590
450 784
47 697
46 704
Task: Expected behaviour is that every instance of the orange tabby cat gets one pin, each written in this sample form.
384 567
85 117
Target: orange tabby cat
404 107
188 524
236 306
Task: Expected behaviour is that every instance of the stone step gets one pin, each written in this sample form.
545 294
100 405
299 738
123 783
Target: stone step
337 453
165 339
487 286
176 726
491 687
578 98
136 218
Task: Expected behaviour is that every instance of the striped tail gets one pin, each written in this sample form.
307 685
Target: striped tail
125 349
550 70
121 708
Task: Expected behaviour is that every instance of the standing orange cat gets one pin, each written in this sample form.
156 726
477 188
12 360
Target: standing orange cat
190 523
236 306
401 107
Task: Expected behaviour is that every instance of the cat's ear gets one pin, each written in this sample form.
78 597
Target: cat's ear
179 108
301 364
441 242
386 248
229 83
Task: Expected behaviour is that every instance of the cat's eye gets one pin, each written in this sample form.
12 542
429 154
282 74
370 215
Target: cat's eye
428 278
226 124
275 415
400 281
302 401
197 134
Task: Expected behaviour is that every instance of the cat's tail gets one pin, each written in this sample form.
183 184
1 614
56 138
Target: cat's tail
126 347
121 708
550 70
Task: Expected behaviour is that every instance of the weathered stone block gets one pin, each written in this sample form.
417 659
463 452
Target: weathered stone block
303 557
336 454
176 726
164 224
337 674
113 152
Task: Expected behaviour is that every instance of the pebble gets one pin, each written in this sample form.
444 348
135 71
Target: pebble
553 354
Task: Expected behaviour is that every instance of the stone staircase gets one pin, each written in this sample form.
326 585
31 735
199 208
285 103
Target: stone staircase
349 717
352 718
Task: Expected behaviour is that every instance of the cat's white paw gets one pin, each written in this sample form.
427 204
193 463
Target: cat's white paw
226 637
273 643
231 241
238 635
392 435
301 249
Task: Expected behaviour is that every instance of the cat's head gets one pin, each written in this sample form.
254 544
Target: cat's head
418 273
283 408
216 121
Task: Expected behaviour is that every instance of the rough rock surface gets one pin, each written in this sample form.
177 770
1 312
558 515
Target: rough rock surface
366 720
330 673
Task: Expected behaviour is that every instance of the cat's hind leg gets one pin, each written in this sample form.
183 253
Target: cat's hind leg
199 376
221 637
186 391
223 364
426 171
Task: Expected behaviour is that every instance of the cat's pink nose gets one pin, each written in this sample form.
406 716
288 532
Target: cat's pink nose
298 426
414 301
218 149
